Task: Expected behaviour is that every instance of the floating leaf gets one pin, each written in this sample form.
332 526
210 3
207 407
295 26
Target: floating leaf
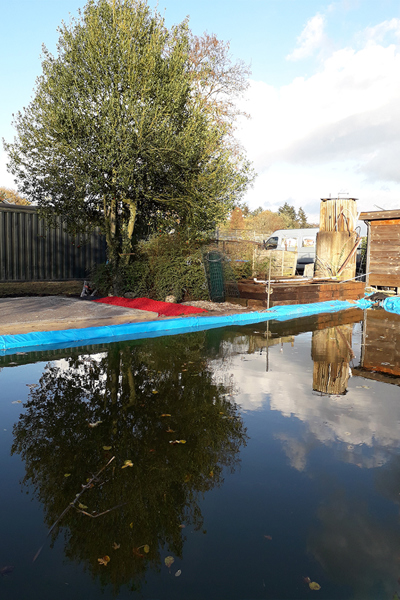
67 474
268 537
104 561
127 463
306 579
170 430
137 553
211 473
154 391
82 506
314 585
179 572
177 442
152 450
7 570
131 525
94 424
169 560
182 441
16 402
107 447
116 546
165 415
146 548
187 478
182 526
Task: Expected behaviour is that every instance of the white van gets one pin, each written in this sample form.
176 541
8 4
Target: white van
301 240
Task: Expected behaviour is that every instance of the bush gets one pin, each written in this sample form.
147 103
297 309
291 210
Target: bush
162 266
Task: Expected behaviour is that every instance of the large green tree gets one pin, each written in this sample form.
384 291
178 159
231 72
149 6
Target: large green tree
124 130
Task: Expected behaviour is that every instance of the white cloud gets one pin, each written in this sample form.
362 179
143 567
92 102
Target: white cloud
311 38
380 31
337 129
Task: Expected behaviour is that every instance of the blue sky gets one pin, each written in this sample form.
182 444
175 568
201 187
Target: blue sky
324 97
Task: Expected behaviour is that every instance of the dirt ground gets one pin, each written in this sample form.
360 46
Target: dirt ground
18 289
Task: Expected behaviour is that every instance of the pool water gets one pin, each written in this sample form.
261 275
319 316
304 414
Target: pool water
241 463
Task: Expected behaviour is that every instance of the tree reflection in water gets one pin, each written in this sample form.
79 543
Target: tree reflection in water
127 390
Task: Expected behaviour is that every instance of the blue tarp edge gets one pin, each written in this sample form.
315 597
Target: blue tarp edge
107 333
392 304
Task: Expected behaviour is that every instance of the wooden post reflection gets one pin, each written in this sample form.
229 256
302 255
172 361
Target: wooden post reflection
331 352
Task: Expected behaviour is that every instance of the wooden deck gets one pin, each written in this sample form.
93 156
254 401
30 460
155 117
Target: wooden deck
296 291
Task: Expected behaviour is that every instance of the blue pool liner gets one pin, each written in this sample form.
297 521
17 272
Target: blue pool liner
392 304
67 338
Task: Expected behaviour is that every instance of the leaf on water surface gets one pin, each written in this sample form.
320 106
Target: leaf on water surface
154 391
131 525
104 561
146 548
188 477
306 579
179 572
211 473
152 450
395 596
182 526
116 546
366 387
94 424
6 570
169 560
165 415
107 447
137 553
16 402
170 430
268 537
67 474
127 463
174 442
82 506
313 585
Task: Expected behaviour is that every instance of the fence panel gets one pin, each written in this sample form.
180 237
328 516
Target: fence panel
31 251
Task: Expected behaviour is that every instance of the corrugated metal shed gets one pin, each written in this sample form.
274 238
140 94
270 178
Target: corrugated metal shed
383 252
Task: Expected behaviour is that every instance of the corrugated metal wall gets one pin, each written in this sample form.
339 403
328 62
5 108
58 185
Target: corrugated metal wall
30 251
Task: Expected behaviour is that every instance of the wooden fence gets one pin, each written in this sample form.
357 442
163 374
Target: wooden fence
31 251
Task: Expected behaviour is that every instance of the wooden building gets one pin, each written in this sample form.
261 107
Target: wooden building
383 251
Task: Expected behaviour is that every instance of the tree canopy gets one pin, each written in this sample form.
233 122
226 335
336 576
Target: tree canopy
129 126
11 196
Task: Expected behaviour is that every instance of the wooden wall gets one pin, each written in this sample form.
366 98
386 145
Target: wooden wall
384 253
336 238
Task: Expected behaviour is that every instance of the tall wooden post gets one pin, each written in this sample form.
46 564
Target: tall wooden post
337 239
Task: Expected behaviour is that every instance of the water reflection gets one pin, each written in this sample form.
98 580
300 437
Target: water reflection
331 352
380 357
140 399
318 490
